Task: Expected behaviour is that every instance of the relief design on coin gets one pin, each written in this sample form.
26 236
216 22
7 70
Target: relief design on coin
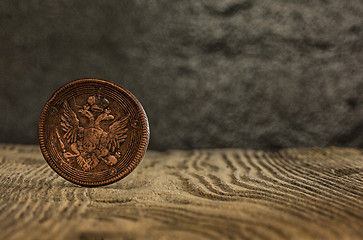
92 143
93 132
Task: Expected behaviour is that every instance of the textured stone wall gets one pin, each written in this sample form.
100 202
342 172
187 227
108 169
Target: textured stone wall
251 74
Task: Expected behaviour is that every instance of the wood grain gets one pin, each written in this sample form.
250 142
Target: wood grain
200 194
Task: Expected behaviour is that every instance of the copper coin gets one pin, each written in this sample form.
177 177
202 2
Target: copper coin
93 132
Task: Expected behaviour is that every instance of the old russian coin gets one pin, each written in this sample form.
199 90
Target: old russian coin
93 132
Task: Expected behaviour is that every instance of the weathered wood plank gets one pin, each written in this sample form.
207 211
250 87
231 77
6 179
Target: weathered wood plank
200 194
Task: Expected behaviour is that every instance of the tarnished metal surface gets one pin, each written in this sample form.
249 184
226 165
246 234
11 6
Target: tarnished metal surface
93 132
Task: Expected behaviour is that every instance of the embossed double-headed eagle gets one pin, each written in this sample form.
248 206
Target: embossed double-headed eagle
92 143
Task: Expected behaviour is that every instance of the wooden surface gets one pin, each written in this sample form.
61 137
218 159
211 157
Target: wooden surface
200 194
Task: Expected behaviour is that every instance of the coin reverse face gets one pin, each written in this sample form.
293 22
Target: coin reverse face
93 132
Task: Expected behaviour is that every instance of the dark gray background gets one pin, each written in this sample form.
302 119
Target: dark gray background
252 74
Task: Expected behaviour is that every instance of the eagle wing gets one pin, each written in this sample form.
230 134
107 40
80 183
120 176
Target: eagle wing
117 134
69 123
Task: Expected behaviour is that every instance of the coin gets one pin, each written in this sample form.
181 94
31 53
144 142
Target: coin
93 132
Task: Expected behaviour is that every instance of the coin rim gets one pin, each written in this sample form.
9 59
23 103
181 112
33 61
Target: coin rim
139 155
